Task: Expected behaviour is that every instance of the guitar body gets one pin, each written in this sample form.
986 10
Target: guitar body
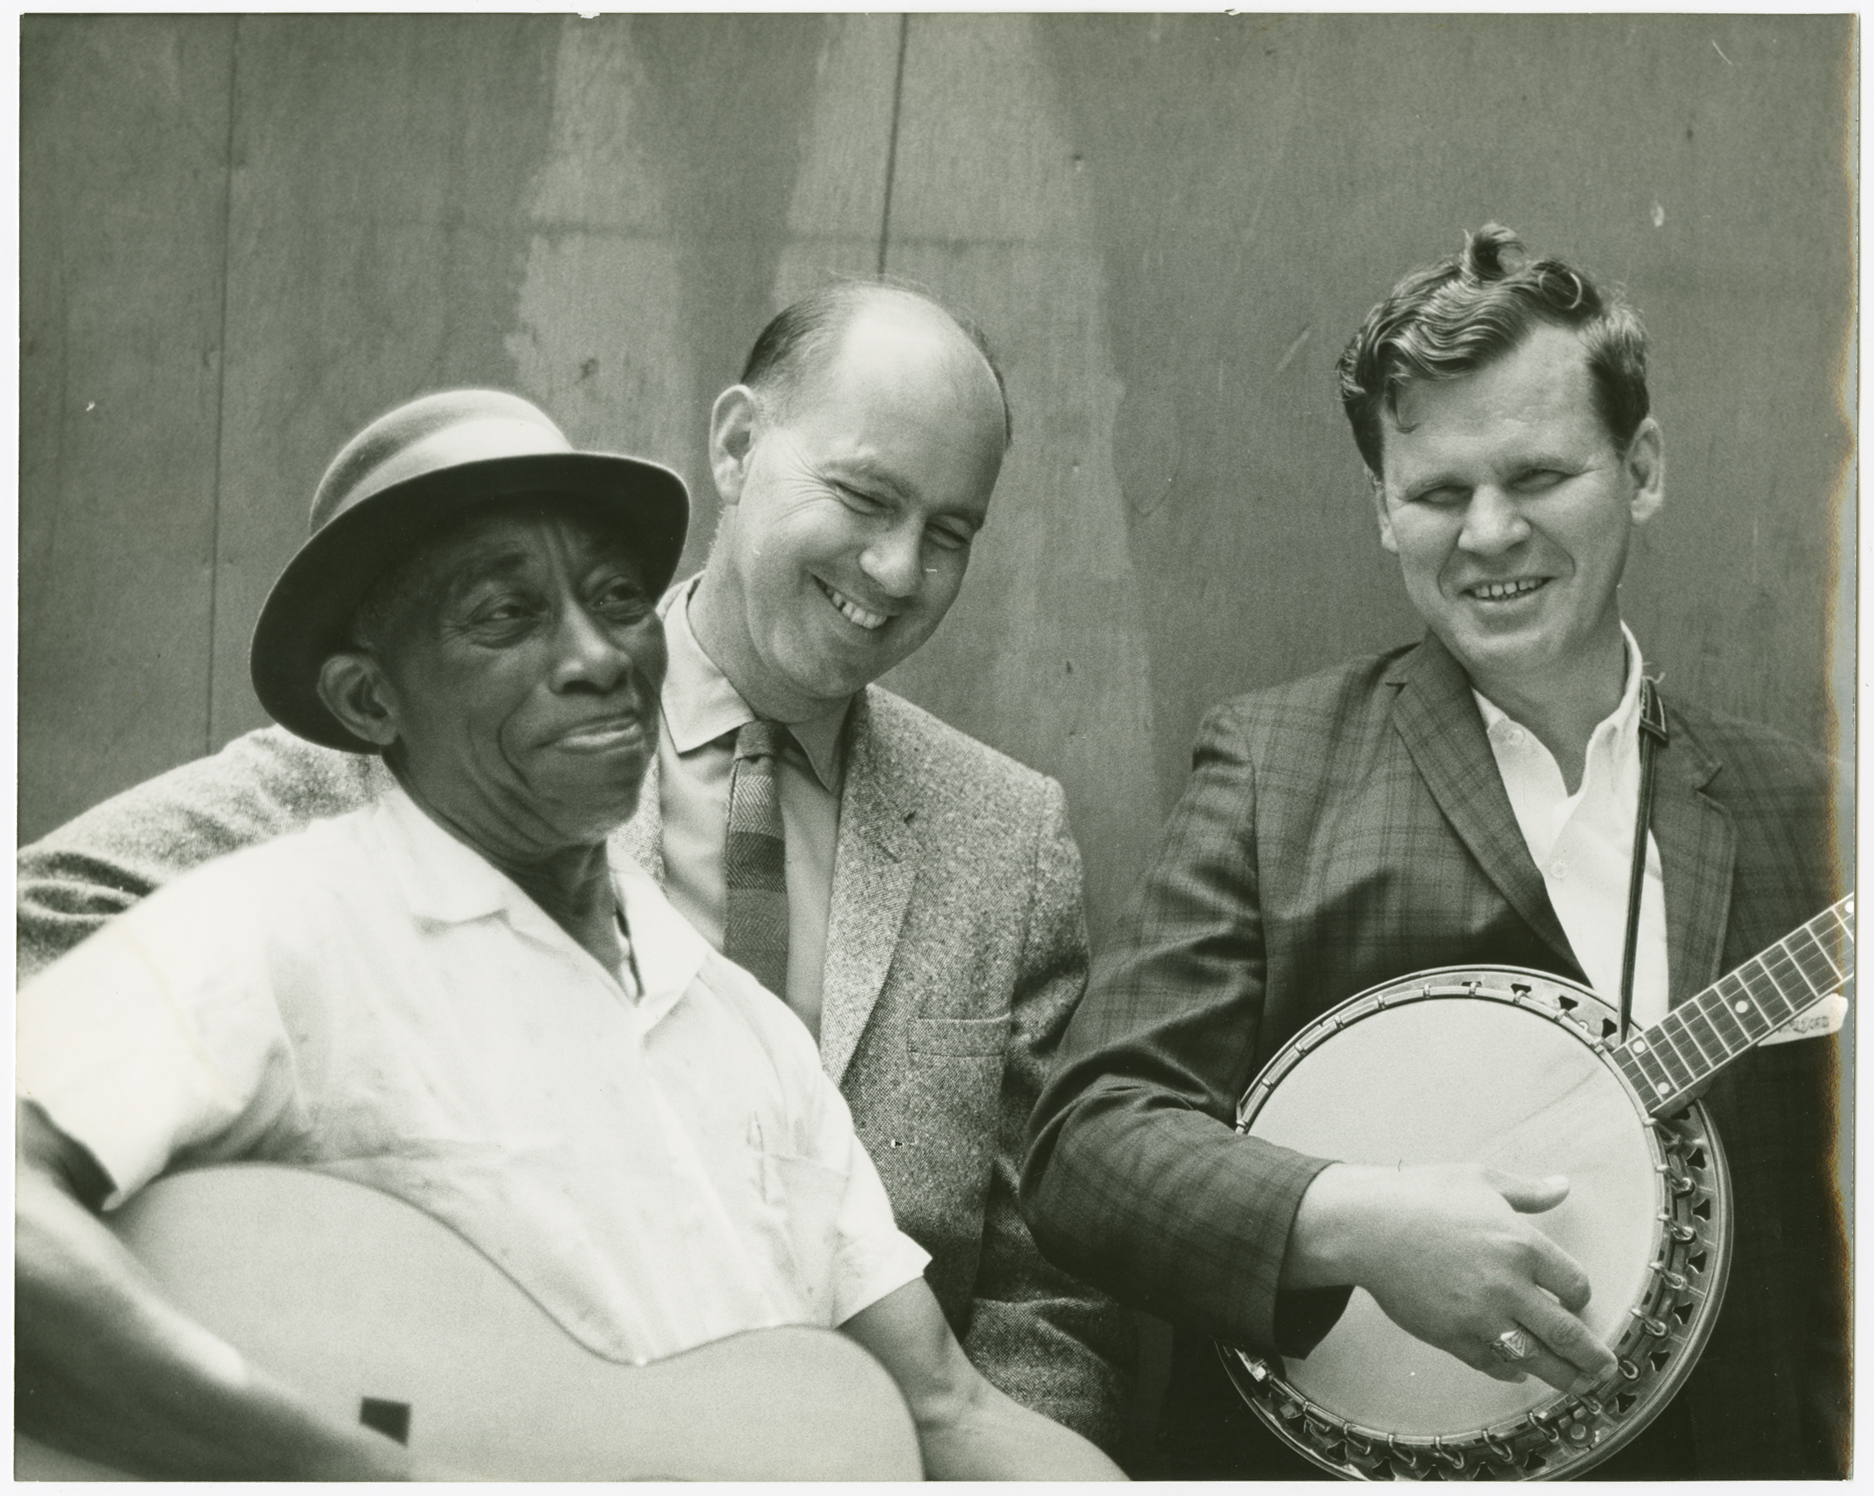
381 1314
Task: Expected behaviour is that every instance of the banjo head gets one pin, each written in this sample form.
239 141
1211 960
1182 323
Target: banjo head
1504 1069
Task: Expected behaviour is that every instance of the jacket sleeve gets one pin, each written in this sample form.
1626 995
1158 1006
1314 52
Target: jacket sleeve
1047 1340
1136 1179
261 785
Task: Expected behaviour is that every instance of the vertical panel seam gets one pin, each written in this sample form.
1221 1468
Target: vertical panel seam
221 388
891 142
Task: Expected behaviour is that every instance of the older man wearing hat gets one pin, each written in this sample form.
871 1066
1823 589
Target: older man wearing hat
912 893
457 996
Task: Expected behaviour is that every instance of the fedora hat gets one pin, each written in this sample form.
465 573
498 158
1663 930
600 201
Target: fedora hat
406 475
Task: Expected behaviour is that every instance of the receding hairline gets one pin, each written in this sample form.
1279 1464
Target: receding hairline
803 343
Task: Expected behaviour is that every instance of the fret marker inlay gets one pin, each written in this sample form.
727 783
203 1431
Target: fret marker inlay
1702 1035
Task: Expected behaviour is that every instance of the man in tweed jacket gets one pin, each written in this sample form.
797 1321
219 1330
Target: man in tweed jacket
955 945
1351 828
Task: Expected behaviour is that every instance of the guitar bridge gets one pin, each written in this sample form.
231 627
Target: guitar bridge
391 1419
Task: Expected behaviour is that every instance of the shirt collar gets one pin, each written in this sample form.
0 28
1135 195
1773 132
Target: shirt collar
700 705
445 880
668 951
1622 722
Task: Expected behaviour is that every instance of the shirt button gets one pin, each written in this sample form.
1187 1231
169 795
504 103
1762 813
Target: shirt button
1514 737
1558 868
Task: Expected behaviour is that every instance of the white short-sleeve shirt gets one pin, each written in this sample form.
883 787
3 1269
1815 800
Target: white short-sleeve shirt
371 998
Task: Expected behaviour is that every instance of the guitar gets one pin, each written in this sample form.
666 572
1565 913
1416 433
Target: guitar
383 1315
1526 1072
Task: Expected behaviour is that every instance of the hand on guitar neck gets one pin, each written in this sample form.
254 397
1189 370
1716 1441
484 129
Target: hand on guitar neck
1448 1252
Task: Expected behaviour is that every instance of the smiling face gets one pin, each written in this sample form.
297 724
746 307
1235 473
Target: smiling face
1511 510
848 514
514 675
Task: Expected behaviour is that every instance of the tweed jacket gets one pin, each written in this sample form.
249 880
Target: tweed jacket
956 950
1346 830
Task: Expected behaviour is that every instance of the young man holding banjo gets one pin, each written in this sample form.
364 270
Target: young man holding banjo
1471 802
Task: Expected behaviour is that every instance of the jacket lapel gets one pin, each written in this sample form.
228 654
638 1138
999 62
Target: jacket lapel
1697 852
873 870
1444 733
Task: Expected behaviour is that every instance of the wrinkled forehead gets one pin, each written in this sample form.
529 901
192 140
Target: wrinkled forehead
1542 384
521 538
520 533
921 421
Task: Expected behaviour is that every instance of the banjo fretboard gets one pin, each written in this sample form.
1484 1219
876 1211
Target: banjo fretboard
1701 1036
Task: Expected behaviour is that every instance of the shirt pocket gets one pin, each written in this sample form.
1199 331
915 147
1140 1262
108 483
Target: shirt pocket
805 1195
964 1038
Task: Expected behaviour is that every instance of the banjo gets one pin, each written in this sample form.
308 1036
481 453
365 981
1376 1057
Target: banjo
1524 1071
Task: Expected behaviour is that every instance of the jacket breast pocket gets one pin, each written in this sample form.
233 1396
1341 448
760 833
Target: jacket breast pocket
963 1038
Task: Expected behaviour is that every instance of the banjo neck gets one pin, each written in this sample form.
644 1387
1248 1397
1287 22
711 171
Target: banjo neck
1701 1036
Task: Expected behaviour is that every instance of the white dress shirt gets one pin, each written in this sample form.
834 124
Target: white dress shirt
1583 843
696 756
371 998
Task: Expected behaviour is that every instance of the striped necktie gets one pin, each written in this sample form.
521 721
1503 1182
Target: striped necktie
754 859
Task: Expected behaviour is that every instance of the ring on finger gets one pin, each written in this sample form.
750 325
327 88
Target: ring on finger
1513 1345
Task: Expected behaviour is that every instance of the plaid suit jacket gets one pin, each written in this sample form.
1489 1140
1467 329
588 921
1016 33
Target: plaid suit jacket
1348 829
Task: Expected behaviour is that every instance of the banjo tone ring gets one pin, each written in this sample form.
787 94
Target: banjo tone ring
1664 1329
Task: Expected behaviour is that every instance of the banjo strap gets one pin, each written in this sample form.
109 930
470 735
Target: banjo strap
1652 734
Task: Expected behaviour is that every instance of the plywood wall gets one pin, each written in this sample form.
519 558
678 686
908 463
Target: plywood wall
243 237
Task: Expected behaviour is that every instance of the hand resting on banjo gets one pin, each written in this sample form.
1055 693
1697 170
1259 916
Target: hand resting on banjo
1448 1252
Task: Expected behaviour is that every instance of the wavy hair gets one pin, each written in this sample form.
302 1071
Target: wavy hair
1455 317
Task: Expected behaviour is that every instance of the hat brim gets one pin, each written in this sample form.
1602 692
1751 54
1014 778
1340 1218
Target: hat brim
306 615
